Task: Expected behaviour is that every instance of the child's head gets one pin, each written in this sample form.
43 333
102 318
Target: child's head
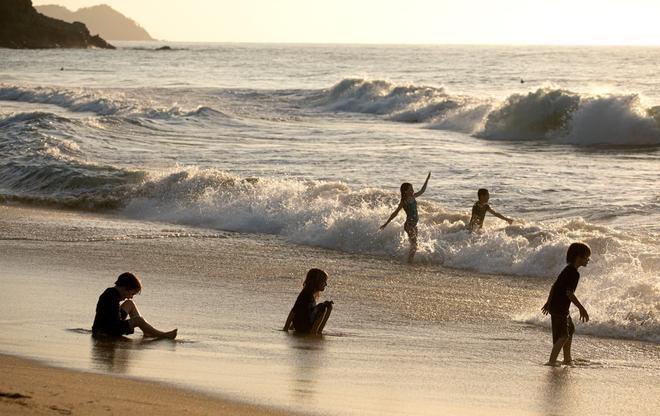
316 280
406 190
483 195
578 254
129 282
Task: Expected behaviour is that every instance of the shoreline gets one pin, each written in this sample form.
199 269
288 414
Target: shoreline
402 340
30 387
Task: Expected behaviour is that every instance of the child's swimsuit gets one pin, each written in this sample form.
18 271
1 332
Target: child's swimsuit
478 214
559 303
411 212
304 311
110 319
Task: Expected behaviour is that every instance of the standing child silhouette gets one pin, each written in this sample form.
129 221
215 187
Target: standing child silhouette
562 294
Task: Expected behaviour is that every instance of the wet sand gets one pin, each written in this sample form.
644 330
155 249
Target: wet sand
31 388
418 340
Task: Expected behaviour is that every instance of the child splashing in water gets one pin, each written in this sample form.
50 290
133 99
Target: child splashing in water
409 204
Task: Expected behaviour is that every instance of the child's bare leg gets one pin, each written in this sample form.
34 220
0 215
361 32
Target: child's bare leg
321 320
149 330
567 350
555 350
412 235
131 308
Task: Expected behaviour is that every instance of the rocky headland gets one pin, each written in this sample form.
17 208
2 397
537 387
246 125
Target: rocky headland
22 27
101 19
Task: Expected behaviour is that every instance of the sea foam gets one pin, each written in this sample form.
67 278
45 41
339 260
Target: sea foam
101 102
550 114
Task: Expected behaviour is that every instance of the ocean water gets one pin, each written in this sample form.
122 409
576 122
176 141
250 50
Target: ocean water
401 340
308 144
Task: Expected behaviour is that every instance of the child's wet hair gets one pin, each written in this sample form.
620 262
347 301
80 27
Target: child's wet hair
482 192
129 281
576 250
313 278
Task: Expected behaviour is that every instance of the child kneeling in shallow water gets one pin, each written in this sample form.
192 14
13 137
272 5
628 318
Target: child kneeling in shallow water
116 304
307 316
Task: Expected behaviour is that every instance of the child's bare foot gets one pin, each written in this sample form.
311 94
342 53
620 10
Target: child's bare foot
171 334
568 362
162 335
553 364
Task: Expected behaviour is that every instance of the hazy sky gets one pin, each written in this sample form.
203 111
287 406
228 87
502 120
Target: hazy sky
394 21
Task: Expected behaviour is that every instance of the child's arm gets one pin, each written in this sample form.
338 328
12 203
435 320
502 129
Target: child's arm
394 214
546 308
289 321
426 182
584 316
498 215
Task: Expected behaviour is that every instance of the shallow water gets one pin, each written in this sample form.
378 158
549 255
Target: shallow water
400 340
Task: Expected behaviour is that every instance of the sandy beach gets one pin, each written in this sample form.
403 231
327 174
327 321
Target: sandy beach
32 388
462 349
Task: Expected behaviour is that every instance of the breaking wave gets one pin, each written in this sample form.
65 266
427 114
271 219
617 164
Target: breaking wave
548 114
554 115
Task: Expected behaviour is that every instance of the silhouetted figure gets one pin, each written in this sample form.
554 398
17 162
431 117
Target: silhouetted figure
409 204
307 316
117 314
561 295
479 210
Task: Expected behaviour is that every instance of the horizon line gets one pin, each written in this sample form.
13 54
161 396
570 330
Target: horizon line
644 45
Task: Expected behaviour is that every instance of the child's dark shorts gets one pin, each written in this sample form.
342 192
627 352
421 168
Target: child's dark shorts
562 326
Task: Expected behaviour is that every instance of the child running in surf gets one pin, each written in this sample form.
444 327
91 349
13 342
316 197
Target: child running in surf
409 204
479 210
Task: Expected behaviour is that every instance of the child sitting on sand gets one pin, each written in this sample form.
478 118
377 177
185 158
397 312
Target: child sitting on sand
559 300
111 312
409 204
479 210
307 316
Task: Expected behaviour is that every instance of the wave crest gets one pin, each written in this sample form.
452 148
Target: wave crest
550 114
102 103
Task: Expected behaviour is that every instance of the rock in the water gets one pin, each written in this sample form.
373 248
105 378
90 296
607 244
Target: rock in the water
21 27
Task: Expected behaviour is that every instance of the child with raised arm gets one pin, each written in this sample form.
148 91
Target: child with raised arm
561 295
479 210
116 304
409 204
307 316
